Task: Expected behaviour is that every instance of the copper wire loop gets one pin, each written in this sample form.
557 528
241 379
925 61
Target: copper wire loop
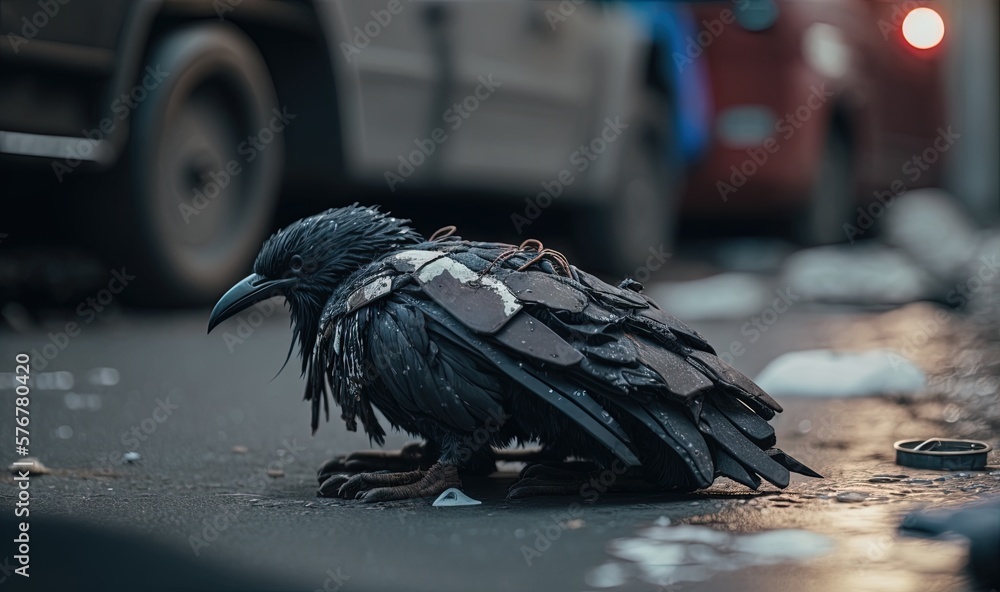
552 254
443 233
531 244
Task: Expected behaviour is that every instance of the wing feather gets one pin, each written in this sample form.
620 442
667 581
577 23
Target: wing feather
474 319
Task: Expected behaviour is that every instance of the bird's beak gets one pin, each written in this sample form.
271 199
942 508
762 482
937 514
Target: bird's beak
248 291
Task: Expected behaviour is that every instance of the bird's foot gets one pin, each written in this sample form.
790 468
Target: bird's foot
573 478
385 486
411 456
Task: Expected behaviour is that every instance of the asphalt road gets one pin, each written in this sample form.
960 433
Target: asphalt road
208 423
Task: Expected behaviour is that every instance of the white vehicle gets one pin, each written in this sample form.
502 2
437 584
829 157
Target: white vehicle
185 120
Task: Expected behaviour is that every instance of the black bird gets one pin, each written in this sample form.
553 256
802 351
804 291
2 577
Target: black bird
475 345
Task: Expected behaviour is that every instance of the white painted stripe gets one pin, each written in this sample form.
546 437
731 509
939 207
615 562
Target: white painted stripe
56 147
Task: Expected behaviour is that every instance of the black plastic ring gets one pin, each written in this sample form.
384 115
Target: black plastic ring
942 454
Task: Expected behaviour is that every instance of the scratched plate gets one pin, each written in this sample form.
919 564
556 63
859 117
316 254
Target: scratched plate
483 304
371 291
409 261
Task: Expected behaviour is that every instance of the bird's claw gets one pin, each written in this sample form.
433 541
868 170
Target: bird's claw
331 485
331 467
359 484
384 486
411 456
432 483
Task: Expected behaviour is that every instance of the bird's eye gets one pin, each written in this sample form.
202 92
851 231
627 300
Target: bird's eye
296 262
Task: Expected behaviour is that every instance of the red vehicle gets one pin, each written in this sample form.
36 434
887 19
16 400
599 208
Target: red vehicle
819 107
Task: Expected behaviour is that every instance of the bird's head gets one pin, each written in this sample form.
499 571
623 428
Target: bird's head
307 260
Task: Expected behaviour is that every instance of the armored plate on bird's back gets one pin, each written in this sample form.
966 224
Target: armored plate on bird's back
480 301
372 290
542 288
412 260
530 336
612 295
681 378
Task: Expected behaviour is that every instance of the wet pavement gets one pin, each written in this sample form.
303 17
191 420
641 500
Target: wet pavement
225 475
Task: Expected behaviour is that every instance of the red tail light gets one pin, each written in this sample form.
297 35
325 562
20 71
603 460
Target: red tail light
923 28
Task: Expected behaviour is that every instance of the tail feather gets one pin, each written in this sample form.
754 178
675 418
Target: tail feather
693 452
727 466
744 418
781 457
731 377
715 425
686 438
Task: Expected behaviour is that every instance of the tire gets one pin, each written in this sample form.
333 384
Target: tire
201 197
640 218
832 197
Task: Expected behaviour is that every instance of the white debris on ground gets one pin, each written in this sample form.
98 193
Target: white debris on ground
829 373
30 464
454 497
866 273
722 296
664 555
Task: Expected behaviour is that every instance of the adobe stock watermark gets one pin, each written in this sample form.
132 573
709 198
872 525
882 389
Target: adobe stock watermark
786 127
822 434
249 322
249 149
121 107
552 531
47 10
141 431
213 528
876 551
987 269
88 310
454 117
334 581
135 435
712 29
656 260
482 436
562 12
7 569
755 327
223 7
580 159
913 169
364 34
899 12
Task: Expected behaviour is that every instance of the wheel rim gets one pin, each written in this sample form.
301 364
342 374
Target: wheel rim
200 209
